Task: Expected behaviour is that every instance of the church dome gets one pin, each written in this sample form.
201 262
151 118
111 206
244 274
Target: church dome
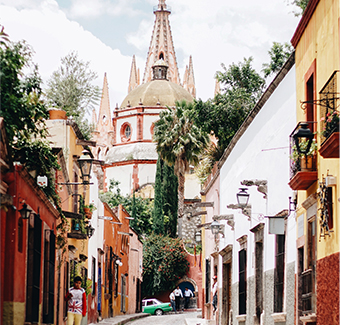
156 92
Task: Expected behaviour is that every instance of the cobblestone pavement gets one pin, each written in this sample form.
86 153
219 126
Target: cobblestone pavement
186 318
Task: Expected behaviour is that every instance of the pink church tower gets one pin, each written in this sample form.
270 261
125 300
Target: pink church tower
161 45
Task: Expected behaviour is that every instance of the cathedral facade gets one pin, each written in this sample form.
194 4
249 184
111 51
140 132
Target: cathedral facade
124 137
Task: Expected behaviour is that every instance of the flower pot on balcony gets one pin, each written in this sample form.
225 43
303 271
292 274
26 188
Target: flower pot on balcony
330 148
306 163
88 213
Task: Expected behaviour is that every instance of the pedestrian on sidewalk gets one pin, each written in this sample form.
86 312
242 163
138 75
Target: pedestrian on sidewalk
214 292
178 296
173 301
187 295
76 298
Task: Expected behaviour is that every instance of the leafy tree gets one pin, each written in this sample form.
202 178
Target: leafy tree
170 200
179 142
166 200
164 263
3 37
70 88
25 112
301 4
242 86
279 54
158 215
136 206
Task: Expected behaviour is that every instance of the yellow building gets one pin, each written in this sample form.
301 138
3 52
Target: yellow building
315 174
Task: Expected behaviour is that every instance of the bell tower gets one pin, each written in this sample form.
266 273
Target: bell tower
161 45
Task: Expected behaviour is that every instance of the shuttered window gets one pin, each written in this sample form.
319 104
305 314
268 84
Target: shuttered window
279 273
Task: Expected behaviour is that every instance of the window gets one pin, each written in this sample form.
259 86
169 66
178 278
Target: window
125 132
20 235
279 273
330 207
93 276
259 279
207 281
242 276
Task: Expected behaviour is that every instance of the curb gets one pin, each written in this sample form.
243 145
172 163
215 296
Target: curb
122 319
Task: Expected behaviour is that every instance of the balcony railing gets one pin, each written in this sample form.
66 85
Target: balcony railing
307 291
329 98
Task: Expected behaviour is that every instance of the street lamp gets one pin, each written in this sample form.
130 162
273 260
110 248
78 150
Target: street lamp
85 164
242 198
215 227
303 138
25 211
198 237
90 230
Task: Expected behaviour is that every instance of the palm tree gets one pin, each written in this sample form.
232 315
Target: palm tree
179 142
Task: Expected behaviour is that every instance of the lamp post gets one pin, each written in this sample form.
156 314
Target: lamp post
303 138
85 164
242 198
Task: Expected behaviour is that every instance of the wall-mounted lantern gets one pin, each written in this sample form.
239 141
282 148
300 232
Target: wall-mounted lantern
198 237
215 227
25 211
242 198
85 164
90 230
303 138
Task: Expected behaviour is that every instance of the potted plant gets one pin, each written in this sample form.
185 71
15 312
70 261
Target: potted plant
331 123
88 209
302 161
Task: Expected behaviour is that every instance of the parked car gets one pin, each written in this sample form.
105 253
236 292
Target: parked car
155 307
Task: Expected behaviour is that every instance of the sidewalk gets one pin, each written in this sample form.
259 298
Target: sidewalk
198 320
121 319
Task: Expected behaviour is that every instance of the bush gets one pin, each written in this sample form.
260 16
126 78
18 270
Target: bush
164 263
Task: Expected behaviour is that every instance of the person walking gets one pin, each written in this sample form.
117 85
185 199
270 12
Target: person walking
187 295
214 293
178 296
76 298
173 301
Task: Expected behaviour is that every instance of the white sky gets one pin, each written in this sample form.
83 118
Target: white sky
108 32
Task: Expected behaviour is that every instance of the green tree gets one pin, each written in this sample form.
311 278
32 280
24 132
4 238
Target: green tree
70 88
179 142
221 117
170 200
158 215
279 54
25 112
164 263
301 4
136 206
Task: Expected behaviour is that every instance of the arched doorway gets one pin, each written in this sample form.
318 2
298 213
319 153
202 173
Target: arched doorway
191 285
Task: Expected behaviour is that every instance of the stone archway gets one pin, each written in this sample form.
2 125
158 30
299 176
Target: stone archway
190 284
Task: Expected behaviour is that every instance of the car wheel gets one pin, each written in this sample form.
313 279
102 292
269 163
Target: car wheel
159 312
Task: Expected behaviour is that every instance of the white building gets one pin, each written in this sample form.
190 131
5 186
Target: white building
255 269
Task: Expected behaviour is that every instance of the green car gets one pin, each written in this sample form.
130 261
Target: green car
155 307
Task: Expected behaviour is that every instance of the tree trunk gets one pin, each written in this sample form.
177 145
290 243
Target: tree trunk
181 179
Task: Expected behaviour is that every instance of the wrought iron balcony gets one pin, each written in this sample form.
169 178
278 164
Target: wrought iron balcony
302 166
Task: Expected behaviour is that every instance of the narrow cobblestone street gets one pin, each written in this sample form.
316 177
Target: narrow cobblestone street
173 319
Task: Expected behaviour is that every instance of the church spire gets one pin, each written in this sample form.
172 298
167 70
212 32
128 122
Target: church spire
161 45
134 78
189 79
